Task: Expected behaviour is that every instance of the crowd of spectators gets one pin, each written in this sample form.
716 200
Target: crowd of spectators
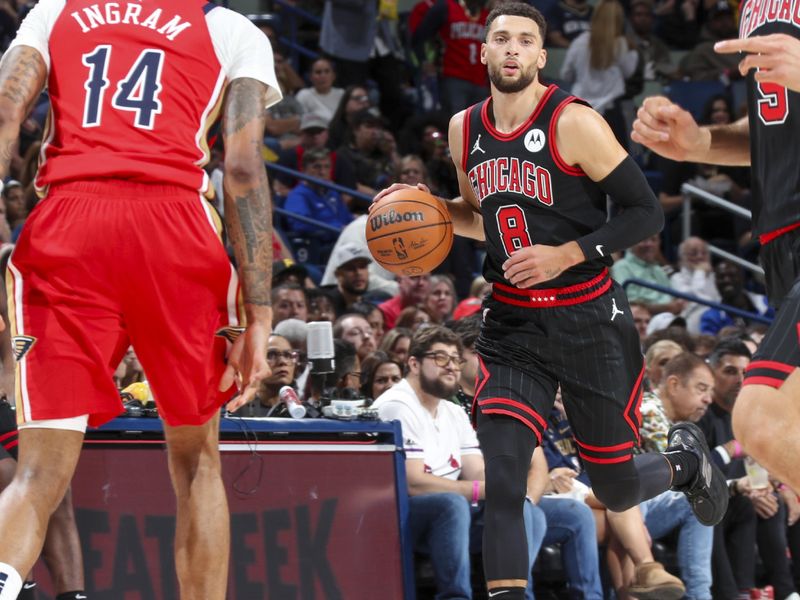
372 108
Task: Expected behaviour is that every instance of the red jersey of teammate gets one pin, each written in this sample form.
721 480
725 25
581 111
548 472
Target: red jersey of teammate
129 96
463 36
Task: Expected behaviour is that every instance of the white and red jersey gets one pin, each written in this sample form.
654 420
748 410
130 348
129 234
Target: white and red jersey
134 86
463 36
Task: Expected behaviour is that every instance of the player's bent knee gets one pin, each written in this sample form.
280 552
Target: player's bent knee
752 425
614 497
616 486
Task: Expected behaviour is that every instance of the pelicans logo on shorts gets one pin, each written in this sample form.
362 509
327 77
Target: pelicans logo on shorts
230 333
21 345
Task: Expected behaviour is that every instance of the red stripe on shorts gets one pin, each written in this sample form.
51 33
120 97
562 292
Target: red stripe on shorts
519 417
770 381
770 364
518 405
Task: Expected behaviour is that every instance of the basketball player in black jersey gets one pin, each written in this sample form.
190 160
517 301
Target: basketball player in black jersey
534 167
766 416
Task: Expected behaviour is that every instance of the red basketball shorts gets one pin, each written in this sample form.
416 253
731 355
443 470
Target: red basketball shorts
105 264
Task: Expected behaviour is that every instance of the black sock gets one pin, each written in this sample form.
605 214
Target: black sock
684 466
507 593
75 595
28 591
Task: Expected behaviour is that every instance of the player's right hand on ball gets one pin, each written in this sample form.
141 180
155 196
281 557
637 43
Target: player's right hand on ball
393 188
669 130
247 364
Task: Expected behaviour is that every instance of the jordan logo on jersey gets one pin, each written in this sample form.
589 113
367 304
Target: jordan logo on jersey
230 333
21 345
614 310
509 174
477 146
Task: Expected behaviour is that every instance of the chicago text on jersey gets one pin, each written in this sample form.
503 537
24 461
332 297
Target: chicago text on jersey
509 174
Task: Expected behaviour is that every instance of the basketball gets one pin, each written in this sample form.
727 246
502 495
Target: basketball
410 233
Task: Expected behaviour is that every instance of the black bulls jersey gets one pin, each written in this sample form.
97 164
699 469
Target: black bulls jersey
527 194
774 114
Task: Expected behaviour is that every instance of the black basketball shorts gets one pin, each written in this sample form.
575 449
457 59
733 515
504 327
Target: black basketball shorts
779 352
582 338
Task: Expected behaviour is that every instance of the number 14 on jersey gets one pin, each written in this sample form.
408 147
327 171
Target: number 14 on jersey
137 92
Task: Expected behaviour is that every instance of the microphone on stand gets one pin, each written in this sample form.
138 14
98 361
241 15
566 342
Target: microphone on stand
319 343
320 347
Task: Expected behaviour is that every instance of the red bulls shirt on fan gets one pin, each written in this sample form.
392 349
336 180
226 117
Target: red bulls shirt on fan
527 194
774 117
129 97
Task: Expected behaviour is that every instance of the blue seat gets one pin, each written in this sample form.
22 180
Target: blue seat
693 95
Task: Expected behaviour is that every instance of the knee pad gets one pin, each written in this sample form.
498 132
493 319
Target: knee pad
505 484
615 485
507 446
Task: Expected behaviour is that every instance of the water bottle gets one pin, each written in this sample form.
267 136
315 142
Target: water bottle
289 397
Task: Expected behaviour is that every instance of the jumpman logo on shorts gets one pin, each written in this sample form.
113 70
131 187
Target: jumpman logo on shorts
614 310
477 146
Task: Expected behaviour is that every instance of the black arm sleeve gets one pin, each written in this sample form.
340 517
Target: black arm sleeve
641 215
430 24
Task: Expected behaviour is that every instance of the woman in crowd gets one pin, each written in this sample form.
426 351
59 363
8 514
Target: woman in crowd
441 298
322 98
282 361
378 374
396 343
355 98
599 61
413 317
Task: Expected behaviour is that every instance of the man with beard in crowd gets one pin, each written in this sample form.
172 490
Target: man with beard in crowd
444 464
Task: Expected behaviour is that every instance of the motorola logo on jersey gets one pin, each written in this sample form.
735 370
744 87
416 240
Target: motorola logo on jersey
534 140
512 175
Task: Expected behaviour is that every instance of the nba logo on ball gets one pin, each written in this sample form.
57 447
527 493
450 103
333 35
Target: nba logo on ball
409 232
399 248
534 140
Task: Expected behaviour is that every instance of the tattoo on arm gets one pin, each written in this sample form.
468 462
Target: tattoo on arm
248 210
23 74
244 104
252 243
